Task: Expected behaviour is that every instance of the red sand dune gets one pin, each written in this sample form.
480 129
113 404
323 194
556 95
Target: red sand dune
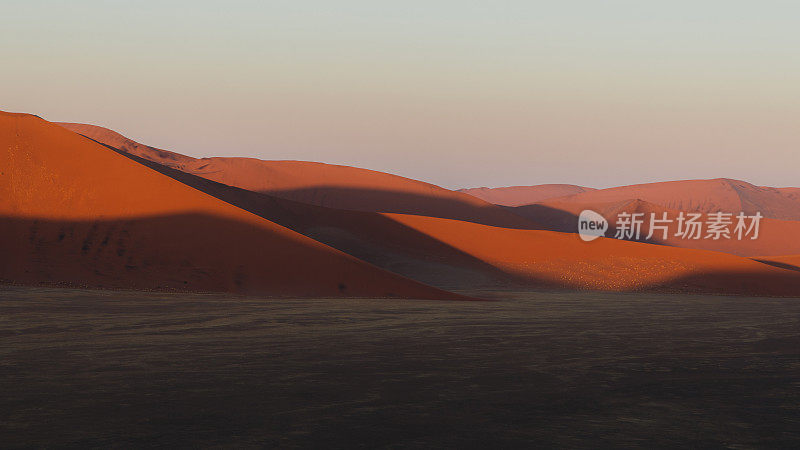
116 140
321 184
791 192
415 244
788 259
524 195
562 260
717 195
461 254
77 213
369 236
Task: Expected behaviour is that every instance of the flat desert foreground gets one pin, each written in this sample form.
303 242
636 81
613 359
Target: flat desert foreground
134 369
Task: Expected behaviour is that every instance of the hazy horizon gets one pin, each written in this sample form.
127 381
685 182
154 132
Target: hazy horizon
460 94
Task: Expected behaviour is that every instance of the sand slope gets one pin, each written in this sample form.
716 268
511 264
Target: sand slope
524 195
74 212
119 141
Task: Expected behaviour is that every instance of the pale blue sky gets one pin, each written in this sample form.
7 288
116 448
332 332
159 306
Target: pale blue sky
459 93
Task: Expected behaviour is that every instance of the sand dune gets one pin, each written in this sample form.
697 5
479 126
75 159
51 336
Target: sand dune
717 195
779 206
776 237
369 236
75 212
562 260
455 253
524 195
326 185
459 254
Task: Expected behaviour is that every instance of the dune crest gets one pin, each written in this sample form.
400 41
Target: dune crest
116 140
524 195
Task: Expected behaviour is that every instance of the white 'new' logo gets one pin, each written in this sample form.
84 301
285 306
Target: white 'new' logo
591 225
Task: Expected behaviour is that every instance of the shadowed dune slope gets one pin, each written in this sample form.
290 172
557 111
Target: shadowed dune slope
562 260
524 195
791 262
369 236
74 212
320 184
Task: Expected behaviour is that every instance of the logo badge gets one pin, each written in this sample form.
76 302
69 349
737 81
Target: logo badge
591 225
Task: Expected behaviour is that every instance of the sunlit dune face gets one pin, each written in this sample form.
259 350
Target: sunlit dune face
562 260
54 173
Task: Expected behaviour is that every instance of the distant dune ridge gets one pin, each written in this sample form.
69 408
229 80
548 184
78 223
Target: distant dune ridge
776 237
703 196
97 209
524 195
721 194
779 206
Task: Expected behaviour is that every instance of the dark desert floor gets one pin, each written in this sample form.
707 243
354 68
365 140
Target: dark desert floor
101 368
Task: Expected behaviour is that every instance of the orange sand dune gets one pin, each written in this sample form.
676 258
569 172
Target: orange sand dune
562 260
77 213
321 184
776 237
462 254
116 140
524 195
414 245
718 195
369 236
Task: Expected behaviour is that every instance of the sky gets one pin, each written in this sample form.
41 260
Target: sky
459 93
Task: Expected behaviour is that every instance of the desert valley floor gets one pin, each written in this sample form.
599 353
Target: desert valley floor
133 369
